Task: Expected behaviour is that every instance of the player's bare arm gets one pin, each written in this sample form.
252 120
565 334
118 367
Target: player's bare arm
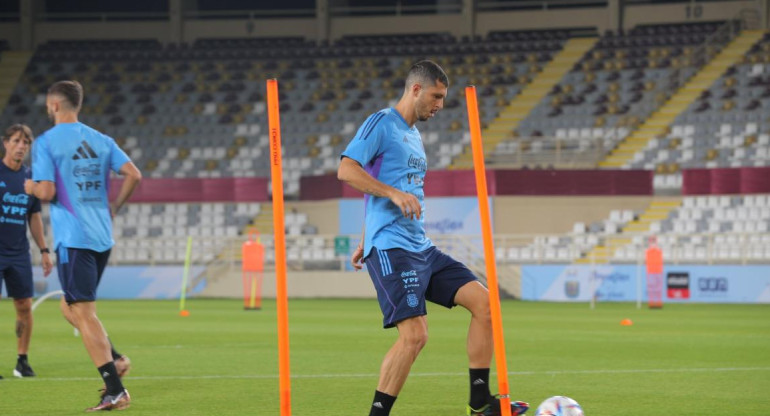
357 258
45 191
132 177
354 175
36 229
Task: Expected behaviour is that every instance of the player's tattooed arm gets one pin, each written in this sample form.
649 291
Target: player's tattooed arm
375 192
354 175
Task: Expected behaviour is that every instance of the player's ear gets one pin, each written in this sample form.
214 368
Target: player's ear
416 88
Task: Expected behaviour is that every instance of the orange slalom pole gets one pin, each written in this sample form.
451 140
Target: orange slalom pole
281 297
489 249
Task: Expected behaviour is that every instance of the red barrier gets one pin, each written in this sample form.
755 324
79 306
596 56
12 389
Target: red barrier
314 188
725 181
197 190
503 182
755 180
696 181
574 182
437 183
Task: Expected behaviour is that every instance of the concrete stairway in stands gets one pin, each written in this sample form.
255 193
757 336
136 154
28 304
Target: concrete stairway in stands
502 127
657 124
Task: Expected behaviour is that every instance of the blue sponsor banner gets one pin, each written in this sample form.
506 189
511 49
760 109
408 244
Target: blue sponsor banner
446 215
351 216
458 215
128 282
682 283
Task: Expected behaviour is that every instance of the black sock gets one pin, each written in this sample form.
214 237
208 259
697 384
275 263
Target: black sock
115 354
22 357
382 404
111 379
479 387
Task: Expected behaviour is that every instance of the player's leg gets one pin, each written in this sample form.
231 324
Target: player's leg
473 296
23 335
20 288
412 337
454 284
80 272
66 313
91 331
400 279
115 396
122 362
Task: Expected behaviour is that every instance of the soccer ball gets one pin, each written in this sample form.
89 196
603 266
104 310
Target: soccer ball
559 406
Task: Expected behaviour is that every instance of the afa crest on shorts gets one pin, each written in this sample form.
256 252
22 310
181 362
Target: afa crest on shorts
411 300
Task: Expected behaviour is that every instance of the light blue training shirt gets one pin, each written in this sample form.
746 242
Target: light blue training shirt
393 153
78 159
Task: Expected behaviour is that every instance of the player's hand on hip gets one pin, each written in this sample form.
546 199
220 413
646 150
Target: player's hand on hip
408 204
47 264
356 260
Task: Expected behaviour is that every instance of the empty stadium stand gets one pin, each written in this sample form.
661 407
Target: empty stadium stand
198 111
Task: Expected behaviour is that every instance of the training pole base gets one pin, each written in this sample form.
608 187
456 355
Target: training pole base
249 308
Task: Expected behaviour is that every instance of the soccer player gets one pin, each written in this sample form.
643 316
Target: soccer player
18 210
71 166
386 160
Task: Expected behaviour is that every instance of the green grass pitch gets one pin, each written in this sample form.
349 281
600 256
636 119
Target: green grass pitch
222 360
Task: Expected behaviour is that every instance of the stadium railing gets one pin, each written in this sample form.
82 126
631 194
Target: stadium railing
317 252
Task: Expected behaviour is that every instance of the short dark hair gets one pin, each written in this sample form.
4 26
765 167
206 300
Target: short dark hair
72 91
426 71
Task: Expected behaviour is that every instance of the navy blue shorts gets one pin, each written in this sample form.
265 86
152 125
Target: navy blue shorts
17 274
404 280
80 271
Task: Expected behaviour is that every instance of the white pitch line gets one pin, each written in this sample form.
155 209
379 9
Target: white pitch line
373 375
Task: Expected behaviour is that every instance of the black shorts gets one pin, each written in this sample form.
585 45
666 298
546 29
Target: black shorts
17 273
404 280
80 271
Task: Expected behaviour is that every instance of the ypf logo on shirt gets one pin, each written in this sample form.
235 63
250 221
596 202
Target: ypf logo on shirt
14 208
